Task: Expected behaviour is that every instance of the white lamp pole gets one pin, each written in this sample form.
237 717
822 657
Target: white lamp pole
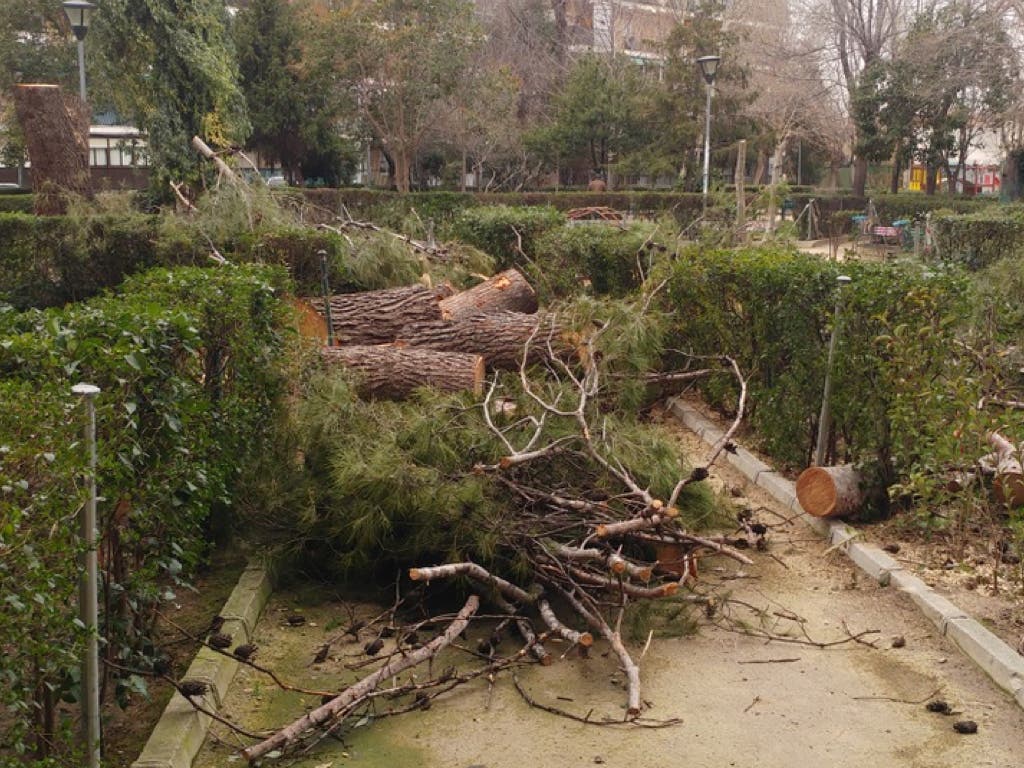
88 591
708 69
79 13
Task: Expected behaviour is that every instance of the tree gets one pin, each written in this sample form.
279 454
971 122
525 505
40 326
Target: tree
600 114
862 33
171 68
269 63
398 61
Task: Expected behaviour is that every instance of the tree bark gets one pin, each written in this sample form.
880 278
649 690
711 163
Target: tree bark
860 176
393 372
1009 481
55 125
501 337
377 317
507 290
829 491
323 714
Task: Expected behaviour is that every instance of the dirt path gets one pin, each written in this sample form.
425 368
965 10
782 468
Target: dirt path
743 701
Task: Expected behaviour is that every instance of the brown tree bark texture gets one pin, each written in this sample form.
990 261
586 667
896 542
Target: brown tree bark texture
1009 481
501 337
829 491
376 317
392 372
323 714
507 290
55 125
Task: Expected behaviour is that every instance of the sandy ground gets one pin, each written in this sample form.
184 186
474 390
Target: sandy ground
743 701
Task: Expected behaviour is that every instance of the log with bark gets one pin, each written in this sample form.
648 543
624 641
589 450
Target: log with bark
392 371
378 317
55 125
507 290
829 491
1009 476
501 337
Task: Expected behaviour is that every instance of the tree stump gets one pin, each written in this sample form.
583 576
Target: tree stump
829 491
55 125
507 290
376 317
393 372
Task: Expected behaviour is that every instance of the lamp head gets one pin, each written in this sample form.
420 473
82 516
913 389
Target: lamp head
78 13
709 67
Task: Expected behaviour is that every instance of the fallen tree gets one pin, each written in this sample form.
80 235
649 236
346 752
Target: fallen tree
378 317
393 371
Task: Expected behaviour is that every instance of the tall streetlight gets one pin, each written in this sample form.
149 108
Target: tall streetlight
708 68
79 13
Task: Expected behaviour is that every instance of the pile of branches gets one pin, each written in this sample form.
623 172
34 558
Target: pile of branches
582 520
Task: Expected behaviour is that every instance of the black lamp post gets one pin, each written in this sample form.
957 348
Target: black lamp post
708 69
79 13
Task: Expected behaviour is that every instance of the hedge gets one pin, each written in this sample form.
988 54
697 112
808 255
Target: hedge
17 203
190 366
772 309
979 239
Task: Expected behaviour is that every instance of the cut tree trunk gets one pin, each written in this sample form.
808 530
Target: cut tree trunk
55 125
1009 481
376 317
501 337
507 290
393 372
309 323
829 491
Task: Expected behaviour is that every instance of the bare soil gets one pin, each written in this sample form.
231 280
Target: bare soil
743 700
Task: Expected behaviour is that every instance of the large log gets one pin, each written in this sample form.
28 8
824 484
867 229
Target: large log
376 317
507 290
829 491
501 337
393 372
55 125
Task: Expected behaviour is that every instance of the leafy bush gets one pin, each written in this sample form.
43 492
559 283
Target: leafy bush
17 203
190 363
979 239
508 234
772 311
605 259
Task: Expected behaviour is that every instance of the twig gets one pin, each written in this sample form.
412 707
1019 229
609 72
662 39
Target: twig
636 722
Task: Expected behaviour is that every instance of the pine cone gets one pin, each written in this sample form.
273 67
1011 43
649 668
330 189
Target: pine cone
219 640
192 688
245 652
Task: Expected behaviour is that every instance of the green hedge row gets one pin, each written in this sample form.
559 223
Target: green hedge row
190 366
16 203
51 261
772 310
979 239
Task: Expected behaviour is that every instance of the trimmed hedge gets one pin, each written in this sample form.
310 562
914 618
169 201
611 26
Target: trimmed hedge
190 364
979 239
506 233
19 202
772 309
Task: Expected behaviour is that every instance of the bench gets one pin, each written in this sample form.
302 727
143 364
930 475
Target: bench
887 235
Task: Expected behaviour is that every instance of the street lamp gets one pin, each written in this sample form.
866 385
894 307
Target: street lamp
79 13
708 68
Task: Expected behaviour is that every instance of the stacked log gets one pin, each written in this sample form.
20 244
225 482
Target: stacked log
438 338
393 371
377 317
1008 483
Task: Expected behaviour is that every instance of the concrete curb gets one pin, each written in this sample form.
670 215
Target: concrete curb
181 730
1004 665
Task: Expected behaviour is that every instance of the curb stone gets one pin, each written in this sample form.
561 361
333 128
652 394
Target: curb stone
996 658
181 730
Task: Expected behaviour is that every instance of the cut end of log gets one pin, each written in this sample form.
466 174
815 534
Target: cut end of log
617 564
415 574
601 531
1009 489
657 504
546 660
667 590
671 512
644 574
586 639
829 491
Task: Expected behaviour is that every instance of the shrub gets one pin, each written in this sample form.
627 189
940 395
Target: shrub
508 234
190 365
979 239
605 259
17 203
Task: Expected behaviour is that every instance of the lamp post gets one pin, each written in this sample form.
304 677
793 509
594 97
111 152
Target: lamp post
79 13
825 419
88 587
708 69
